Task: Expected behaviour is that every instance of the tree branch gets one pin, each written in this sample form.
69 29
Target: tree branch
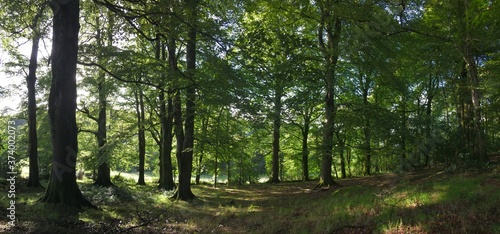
86 111
87 131
119 78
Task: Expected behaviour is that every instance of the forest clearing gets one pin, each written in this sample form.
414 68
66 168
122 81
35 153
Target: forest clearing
431 201
260 116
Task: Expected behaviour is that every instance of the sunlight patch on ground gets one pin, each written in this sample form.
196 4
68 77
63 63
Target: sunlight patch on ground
400 227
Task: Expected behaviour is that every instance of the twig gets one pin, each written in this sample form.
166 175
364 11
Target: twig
146 222
347 226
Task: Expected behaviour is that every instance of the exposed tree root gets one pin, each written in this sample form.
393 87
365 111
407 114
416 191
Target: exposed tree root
66 193
187 196
322 184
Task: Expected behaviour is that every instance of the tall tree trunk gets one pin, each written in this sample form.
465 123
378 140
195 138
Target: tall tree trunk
278 93
34 174
186 161
178 129
305 149
217 143
139 108
328 131
403 130
428 121
479 152
204 130
330 26
216 169
228 168
103 170
183 191
464 114
349 157
62 186
341 140
368 153
166 116
367 129
478 146
166 176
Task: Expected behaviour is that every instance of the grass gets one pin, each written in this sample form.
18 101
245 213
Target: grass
426 202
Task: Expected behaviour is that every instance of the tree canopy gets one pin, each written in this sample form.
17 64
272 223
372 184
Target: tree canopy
251 91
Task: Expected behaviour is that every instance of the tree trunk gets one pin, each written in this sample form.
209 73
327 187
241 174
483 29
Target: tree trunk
328 131
166 177
216 169
278 92
228 168
204 130
186 161
62 187
183 191
331 27
478 146
103 170
349 154
139 108
428 121
217 143
341 140
342 164
403 130
34 174
367 131
479 152
464 115
305 150
178 129
179 134
166 117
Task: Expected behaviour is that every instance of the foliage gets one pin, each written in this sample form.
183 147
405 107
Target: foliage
415 86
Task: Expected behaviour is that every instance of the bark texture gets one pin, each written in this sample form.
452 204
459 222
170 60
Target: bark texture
62 186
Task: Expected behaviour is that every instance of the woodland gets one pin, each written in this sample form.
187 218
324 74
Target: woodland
236 116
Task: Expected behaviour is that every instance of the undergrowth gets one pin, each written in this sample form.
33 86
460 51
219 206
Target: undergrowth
432 202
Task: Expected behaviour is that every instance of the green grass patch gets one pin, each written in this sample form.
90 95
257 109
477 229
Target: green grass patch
447 203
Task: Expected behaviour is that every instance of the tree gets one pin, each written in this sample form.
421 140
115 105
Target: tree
330 26
469 28
271 51
34 177
185 157
103 169
303 110
166 116
103 40
28 23
62 186
139 108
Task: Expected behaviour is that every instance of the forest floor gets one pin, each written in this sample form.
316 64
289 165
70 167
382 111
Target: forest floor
429 201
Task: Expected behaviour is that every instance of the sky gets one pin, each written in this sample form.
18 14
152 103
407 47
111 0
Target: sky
15 84
9 101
